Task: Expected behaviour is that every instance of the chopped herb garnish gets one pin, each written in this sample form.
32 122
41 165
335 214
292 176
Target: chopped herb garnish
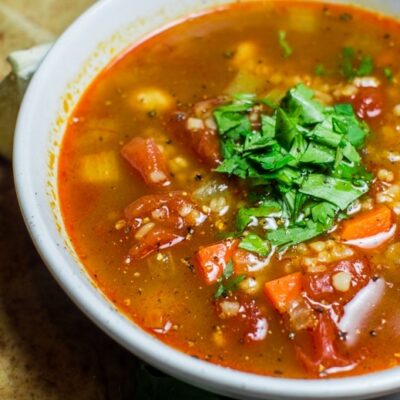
302 164
287 51
349 67
388 74
227 283
320 70
366 66
253 242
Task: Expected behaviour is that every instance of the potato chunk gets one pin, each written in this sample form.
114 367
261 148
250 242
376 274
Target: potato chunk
245 52
151 99
99 168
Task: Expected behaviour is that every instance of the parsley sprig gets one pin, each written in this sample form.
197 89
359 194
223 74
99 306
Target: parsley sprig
300 159
227 283
349 66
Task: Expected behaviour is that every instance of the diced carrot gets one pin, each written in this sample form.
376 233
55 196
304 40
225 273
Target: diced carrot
282 291
246 261
212 260
146 158
367 223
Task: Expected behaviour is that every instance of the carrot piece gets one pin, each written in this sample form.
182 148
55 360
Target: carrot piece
282 291
212 260
367 223
145 156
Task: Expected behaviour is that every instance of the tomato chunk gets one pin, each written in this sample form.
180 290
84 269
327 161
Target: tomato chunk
212 260
319 286
175 208
282 291
159 238
243 319
368 102
326 354
198 130
169 216
146 158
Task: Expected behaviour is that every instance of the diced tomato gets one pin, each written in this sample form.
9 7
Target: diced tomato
326 354
368 102
143 206
172 215
247 323
212 260
159 238
175 208
203 140
282 291
319 285
256 325
146 158
206 145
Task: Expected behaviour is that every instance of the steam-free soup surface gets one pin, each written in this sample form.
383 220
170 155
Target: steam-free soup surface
206 251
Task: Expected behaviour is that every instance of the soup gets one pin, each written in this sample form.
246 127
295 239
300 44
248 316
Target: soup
231 185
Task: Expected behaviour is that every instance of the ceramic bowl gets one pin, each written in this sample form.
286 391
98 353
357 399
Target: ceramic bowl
95 39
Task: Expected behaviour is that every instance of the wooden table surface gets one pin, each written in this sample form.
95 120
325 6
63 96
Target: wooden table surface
48 349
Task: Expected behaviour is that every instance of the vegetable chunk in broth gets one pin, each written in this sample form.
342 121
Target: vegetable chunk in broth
231 184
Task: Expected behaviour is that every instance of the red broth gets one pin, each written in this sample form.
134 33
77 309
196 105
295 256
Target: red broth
145 128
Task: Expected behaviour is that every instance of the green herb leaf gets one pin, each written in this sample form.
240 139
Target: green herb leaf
366 66
228 270
253 242
302 162
318 154
287 51
347 63
388 74
234 282
324 213
348 67
300 101
320 70
337 191
285 128
285 237
246 215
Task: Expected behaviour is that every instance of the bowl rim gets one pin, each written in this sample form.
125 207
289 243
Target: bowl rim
174 362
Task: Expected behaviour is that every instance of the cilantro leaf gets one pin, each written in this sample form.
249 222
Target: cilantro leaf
298 233
228 283
320 70
302 163
300 101
285 128
338 191
366 66
287 51
388 74
347 62
318 154
348 67
245 215
324 213
253 242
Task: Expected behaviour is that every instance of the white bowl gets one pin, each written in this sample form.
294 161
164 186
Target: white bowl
83 50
